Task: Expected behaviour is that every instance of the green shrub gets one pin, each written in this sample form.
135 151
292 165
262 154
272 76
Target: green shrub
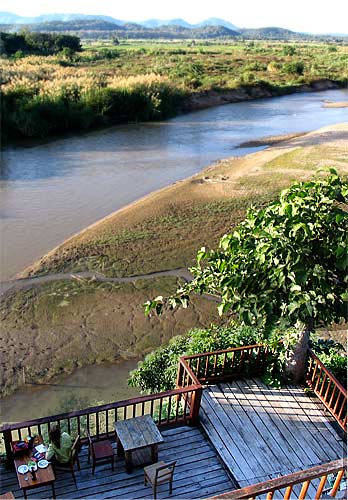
295 67
334 357
157 372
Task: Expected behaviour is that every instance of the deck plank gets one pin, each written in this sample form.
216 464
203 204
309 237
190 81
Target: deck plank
198 466
255 416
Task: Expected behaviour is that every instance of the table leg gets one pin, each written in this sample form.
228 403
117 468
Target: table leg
120 451
53 491
154 453
129 462
25 493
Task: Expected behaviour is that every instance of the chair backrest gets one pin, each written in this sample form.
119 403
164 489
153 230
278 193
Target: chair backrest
165 473
75 449
90 443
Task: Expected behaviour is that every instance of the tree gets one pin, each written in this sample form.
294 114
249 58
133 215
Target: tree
288 260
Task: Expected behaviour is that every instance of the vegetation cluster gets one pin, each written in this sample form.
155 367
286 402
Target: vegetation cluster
118 82
158 371
37 43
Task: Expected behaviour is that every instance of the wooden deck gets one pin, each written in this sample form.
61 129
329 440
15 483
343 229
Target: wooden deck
199 473
262 433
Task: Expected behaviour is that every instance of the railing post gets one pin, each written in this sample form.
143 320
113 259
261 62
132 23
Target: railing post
179 375
195 406
7 440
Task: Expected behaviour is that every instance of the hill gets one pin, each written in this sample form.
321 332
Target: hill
99 28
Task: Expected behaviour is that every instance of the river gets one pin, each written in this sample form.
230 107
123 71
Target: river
52 190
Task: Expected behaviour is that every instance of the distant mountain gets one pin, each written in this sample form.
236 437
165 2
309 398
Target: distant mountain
10 18
156 23
271 33
155 28
98 28
215 21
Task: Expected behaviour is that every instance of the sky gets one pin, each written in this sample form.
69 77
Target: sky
314 16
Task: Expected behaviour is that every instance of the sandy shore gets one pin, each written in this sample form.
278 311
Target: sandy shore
217 181
339 104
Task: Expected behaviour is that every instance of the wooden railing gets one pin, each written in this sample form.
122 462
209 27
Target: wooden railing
296 485
166 408
328 389
222 365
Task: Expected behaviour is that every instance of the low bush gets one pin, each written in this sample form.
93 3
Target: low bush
334 357
157 372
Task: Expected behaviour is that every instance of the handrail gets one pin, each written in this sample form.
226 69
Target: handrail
224 364
222 351
303 477
167 408
328 389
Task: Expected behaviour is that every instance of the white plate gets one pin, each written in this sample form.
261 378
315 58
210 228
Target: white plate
22 469
43 464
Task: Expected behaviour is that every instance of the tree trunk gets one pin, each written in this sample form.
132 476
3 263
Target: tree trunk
295 364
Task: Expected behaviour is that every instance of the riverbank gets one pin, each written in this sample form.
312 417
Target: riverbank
222 189
180 218
59 325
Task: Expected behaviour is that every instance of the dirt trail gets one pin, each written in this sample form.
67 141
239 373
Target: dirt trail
16 285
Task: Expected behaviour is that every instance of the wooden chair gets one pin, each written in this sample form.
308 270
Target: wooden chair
101 452
159 473
7 496
74 458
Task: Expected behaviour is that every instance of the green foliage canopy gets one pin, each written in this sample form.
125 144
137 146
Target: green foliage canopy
287 260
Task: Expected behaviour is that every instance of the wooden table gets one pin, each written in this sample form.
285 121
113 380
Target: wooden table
135 434
43 476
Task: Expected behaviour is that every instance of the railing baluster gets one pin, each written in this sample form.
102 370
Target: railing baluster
336 404
97 424
320 487
169 408
78 426
177 402
337 483
332 396
322 387
107 421
327 390
224 363
215 364
318 379
125 413
160 411
206 367
69 426
315 370
343 406
198 366
270 495
287 494
304 490
151 409
185 406
134 410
